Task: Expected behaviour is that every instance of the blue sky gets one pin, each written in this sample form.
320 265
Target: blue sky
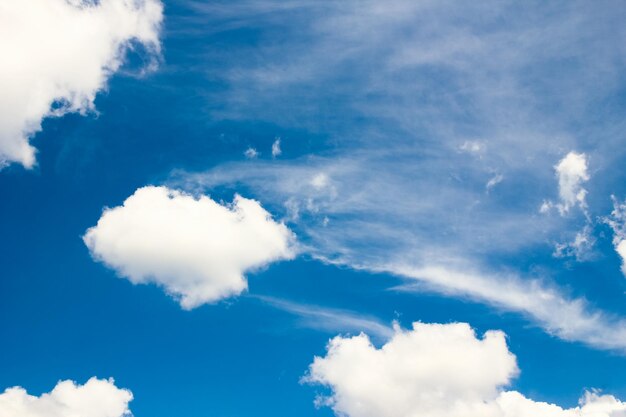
220 188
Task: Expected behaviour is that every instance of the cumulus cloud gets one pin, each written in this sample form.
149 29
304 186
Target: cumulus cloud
195 248
435 370
57 55
571 172
617 222
96 398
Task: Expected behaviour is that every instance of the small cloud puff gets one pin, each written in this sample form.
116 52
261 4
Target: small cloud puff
435 370
96 398
320 180
276 150
195 248
251 153
472 146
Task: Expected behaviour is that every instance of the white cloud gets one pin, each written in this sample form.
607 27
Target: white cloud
57 55
493 181
621 251
276 151
331 319
410 183
195 248
434 370
580 247
568 318
394 216
96 398
617 222
571 172
472 146
251 153
320 180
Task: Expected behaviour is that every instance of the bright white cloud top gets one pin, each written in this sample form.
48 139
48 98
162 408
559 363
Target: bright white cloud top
195 248
435 370
57 55
571 172
96 398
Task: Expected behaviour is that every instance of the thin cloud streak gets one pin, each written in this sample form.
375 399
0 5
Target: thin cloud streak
331 320
567 318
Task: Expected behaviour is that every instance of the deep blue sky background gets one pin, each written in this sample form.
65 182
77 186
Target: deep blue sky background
62 316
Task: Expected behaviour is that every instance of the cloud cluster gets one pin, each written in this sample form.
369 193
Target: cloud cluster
57 55
96 398
195 248
435 370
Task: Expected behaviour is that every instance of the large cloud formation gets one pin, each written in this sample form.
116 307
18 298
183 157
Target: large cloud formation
426 105
197 249
57 55
96 398
435 370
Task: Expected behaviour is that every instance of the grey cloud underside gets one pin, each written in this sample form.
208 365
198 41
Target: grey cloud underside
424 104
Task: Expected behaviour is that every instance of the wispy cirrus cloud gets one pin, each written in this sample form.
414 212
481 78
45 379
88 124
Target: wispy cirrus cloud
426 105
371 217
331 319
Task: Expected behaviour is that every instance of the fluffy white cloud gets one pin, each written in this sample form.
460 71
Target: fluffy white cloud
571 172
96 398
57 54
435 370
196 248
